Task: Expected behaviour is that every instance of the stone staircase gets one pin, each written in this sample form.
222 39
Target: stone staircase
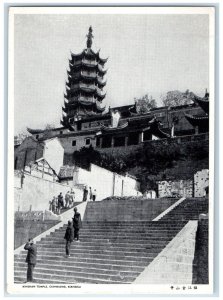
111 250
189 209
127 210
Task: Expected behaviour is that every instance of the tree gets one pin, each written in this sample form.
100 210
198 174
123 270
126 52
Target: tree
175 98
48 127
145 103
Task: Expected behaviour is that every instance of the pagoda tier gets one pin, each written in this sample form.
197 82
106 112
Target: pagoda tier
80 78
87 54
87 67
84 86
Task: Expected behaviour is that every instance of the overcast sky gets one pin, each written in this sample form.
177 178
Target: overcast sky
150 54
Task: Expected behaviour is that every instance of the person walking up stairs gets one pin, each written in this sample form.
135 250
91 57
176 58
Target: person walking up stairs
69 237
76 223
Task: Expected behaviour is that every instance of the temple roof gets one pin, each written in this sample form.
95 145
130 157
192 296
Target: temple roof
88 53
35 131
151 124
197 120
204 104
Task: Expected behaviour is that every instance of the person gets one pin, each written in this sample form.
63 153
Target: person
72 197
90 193
50 205
94 194
54 205
60 202
85 193
67 199
76 223
69 237
30 258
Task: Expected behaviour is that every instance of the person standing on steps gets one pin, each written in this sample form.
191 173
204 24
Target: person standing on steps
85 194
69 237
76 223
67 199
30 258
90 194
94 195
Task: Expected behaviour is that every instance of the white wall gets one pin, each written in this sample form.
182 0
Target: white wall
80 142
106 182
54 153
37 192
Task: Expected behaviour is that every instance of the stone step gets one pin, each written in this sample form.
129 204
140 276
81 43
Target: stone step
94 249
67 262
73 270
100 240
38 279
119 234
106 258
76 276
121 231
111 253
68 267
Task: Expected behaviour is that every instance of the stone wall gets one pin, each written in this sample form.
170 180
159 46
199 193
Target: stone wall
181 188
105 182
201 265
23 230
36 193
174 265
201 182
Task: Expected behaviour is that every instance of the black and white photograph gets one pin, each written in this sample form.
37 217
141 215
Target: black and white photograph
110 160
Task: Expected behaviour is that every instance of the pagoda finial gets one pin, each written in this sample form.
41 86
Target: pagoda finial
89 37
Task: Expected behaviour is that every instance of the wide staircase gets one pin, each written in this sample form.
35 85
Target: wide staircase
111 250
189 209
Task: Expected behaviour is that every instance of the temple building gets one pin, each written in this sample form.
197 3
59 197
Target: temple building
200 122
86 122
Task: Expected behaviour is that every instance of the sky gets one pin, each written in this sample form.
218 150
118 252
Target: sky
150 54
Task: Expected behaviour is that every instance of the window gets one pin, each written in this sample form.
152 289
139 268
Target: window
119 141
88 141
74 143
133 138
37 136
61 132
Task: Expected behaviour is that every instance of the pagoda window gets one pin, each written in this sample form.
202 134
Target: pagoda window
147 135
37 136
106 142
88 141
61 132
119 141
133 138
74 143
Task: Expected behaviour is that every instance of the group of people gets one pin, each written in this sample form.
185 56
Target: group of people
90 194
71 234
59 202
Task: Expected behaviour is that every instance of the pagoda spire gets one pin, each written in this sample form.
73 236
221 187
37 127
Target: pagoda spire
89 37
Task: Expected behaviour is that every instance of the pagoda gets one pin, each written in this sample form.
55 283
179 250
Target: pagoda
84 87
